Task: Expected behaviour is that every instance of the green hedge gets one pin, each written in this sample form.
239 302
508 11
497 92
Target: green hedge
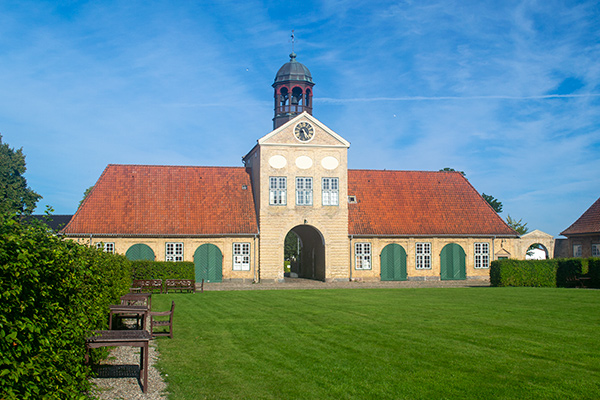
594 272
144 269
568 267
534 273
52 293
543 273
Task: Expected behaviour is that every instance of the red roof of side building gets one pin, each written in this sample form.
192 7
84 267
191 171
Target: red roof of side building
167 200
419 203
589 222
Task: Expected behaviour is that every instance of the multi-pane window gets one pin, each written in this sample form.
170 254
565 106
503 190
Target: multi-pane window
304 191
362 252
577 250
482 255
108 247
595 250
174 252
241 256
331 191
277 190
423 255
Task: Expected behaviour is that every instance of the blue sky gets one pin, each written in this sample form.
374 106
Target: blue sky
508 92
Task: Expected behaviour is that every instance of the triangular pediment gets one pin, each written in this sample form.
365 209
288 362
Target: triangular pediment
537 234
502 253
322 135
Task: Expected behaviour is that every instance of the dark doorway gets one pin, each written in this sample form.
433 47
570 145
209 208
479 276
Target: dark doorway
309 259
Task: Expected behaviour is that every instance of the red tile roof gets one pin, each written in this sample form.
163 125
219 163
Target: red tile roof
589 222
419 203
167 200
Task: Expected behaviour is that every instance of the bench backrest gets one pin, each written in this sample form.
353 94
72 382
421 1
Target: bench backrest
152 284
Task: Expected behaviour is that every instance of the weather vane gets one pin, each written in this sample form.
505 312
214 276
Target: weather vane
293 40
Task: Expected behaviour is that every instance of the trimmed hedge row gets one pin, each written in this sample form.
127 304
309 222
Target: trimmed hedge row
144 269
536 273
52 293
594 272
543 273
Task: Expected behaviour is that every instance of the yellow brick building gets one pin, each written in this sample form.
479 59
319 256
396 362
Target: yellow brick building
351 224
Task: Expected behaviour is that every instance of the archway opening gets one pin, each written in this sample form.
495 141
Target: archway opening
304 253
536 251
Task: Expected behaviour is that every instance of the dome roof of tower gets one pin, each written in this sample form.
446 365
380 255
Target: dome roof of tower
293 71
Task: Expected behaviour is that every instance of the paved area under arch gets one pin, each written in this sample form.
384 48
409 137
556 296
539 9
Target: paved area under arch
300 283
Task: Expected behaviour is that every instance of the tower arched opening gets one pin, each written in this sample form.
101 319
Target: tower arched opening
297 98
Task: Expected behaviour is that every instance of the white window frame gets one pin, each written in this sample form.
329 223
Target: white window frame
331 191
482 255
423 255
241 256
362 255
304 191
174 251
595 250
277 190
107 247
577 250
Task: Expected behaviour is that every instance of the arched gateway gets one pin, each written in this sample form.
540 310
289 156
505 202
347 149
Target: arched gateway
311 261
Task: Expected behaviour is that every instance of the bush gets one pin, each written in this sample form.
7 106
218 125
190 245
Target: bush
531 273
567 267
52 293
144 269
594 272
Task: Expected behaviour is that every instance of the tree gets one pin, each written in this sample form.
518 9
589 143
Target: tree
15 196
518 226
85 195
291 246
492 201
448 169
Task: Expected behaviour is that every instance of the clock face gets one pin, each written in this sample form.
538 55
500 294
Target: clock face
304 131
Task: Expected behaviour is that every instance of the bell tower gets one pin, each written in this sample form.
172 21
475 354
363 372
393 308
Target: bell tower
293 91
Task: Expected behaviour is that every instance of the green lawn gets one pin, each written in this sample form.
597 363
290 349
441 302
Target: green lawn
467 343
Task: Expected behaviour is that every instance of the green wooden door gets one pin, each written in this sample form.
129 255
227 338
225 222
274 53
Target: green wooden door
140 251
393 263
208 262
453 266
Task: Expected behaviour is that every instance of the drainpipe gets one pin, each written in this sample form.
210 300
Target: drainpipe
351 238
254 263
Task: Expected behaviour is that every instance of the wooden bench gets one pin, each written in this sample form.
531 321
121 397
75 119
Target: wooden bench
187 285
147 285
580 281
138 338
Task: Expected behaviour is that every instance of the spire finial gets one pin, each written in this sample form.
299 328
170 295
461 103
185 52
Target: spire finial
293 40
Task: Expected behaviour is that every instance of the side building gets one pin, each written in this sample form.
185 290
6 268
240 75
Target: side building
583 236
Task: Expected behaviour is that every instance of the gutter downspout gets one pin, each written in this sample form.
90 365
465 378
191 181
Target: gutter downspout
350 253
255 280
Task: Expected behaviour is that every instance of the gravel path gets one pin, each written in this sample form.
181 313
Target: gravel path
299 283
117 376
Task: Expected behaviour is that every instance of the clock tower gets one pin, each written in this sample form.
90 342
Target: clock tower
293 91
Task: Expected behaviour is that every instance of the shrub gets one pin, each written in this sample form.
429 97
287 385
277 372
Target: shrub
567 267
144 269
52 293
594 272
532 273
